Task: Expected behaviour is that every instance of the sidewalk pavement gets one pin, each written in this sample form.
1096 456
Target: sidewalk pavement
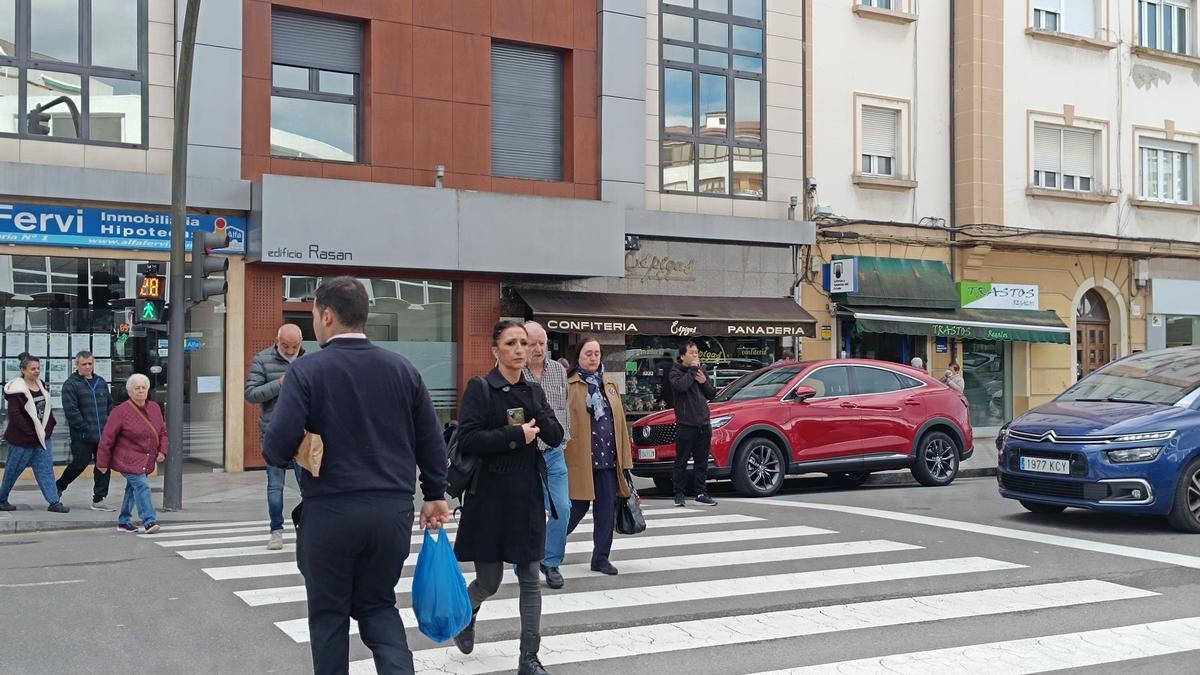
208 496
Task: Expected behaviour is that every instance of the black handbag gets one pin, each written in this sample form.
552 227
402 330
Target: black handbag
630 519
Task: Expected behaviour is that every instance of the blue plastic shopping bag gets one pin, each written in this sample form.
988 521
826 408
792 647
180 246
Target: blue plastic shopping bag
439 591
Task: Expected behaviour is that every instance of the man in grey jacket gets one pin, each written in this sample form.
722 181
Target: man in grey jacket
263 384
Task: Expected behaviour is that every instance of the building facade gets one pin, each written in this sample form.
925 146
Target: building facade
85 160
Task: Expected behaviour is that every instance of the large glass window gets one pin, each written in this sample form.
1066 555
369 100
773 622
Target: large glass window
1166 169
412 317
54 307
648 358
1183 331
1165 25
712 97
315 87
987 371
74 70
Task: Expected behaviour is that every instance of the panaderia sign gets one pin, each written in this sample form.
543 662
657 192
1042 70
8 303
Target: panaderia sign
677 327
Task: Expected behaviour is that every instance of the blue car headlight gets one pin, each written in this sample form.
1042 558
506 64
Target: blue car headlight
718 422
1133 455
1000 436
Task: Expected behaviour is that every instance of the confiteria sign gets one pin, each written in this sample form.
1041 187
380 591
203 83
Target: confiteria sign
676 327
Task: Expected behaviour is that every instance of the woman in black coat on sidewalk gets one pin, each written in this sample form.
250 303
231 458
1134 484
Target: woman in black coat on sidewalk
503 514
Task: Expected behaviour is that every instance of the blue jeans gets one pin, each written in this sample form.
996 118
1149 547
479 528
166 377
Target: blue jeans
275 480
42 461
556 530
137 493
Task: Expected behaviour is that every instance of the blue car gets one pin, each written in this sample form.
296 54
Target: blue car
1126 438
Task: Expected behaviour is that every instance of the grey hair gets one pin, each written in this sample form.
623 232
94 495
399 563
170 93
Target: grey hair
135 378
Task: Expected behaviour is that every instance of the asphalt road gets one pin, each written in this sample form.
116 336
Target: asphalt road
877 579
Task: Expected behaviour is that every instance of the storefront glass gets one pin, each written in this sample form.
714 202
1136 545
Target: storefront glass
1183 331
412 317
54 307
648 358
987 371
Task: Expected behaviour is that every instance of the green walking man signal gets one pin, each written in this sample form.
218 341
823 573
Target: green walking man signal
151 296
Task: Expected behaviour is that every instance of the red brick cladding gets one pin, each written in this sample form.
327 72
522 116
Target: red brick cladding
427 90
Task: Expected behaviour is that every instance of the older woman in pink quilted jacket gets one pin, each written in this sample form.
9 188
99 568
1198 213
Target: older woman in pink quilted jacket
134 440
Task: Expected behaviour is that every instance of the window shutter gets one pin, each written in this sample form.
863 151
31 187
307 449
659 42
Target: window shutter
1046 148
879 131
1078 150
527 134
316 42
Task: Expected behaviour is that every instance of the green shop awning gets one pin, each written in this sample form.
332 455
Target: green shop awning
900 282
1011 325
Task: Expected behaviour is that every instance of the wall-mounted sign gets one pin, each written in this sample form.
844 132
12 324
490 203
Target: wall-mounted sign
826 332
677 328
988 295
841 276
647 267
941 345
46 225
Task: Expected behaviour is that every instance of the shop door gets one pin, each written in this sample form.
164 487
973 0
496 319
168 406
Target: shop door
987 374
1092 334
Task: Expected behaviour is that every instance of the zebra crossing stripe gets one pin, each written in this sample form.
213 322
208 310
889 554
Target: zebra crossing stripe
583 528
653 596
247 528
766 626
206 526
620 544
1032 655
272 596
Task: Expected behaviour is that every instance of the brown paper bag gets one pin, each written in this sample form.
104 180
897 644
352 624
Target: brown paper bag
310 453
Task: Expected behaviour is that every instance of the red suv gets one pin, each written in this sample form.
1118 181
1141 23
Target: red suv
845 418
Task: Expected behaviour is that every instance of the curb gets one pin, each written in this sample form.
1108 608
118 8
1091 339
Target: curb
905 478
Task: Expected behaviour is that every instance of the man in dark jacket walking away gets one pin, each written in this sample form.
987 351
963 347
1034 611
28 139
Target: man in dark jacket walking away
693 436
353 528
86 402
262 387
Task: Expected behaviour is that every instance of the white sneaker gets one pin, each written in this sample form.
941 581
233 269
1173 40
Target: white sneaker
276 543
103 505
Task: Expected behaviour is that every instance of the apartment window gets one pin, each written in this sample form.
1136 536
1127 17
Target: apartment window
878 4
74 70
1077 17
527 113
1165 25
712 56
880 133
1064 159
316 88
1167 171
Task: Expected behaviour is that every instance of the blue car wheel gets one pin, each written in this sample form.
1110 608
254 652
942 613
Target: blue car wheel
1185 514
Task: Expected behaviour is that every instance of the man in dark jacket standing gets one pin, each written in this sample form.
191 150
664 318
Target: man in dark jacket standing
86 402
378 425
262 387
693 436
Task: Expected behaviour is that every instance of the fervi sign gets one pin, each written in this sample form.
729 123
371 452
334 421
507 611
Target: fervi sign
988 295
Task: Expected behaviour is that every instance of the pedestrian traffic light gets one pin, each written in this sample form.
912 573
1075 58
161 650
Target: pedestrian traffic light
204 264
151 293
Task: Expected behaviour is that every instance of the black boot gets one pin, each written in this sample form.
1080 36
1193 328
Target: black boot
465 640
530 665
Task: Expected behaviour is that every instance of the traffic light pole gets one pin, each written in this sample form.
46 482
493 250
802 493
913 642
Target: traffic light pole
177 298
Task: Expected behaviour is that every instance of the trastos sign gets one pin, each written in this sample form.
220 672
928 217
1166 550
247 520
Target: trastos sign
988 295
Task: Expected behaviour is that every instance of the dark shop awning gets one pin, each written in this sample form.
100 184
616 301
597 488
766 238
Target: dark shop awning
682 316
901 282
1011 325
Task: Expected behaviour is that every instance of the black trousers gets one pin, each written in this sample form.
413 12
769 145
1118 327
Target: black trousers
82 454
351 549
604 482
691 443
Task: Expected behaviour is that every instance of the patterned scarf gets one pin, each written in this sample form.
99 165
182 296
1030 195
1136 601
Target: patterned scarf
595 399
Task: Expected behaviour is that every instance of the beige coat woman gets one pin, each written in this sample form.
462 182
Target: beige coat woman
579 449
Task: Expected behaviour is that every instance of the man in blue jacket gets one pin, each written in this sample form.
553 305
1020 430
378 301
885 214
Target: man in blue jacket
353 529
86 402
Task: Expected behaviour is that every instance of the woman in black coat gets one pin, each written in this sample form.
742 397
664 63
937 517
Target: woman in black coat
503 516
